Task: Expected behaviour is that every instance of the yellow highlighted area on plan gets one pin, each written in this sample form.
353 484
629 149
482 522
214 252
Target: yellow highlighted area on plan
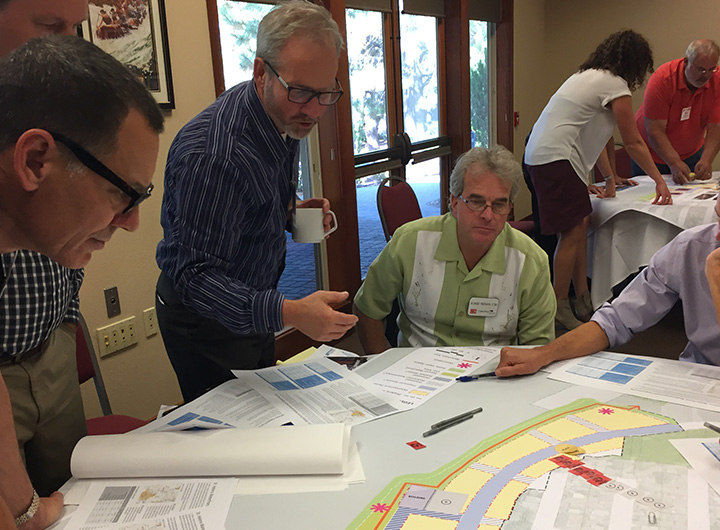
469 482
614 418
513 450
605 445
503 504
539 469
564 429
423 522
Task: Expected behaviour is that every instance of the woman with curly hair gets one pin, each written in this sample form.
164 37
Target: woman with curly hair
566 141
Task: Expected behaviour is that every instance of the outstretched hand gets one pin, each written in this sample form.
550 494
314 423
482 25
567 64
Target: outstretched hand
315 317
519 361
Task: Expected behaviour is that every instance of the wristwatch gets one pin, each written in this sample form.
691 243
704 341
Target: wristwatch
30 512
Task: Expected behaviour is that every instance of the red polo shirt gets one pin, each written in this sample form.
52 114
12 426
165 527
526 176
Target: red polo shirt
667 97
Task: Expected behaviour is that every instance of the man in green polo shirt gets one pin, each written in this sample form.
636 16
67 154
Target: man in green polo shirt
466 277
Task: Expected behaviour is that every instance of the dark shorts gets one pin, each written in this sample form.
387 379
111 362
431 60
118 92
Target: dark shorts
563 199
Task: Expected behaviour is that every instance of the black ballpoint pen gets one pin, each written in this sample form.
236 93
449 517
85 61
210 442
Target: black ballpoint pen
712 427
434 430
465 378
444 424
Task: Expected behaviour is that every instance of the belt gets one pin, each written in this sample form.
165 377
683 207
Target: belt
23 356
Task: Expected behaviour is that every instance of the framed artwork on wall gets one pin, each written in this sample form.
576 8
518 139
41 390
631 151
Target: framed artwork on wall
135 33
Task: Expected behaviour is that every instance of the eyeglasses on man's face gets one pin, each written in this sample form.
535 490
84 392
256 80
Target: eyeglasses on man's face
480 204
97 167
705 71
302 96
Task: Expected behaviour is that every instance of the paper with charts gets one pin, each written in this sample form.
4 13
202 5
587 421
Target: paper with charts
689 384
586 465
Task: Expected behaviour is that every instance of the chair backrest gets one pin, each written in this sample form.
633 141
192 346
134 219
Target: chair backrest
397 204
87 365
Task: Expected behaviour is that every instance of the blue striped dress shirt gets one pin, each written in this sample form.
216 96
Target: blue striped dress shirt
229 182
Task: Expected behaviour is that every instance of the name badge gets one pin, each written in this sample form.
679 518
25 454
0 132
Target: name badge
483 307
685 114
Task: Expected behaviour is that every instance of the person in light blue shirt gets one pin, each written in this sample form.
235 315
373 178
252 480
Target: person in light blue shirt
676 272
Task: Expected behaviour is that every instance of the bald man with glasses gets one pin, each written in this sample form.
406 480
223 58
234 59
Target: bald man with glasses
466 278
229 195
680 115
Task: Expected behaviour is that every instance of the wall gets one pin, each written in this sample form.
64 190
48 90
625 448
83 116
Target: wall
140 378
529 74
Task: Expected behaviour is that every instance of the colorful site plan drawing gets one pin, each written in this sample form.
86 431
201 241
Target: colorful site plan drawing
481 488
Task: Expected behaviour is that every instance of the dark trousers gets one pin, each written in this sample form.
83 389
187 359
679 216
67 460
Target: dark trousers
665 169
201 350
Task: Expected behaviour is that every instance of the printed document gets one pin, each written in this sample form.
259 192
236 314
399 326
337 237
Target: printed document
690 384
154 504
428 371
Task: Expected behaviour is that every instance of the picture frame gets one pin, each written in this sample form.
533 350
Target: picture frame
135 33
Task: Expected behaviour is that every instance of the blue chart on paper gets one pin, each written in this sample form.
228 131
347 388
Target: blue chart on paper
327 373
714 448
190 416
612 367
295 376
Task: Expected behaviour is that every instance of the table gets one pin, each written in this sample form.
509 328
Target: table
385 455
627 230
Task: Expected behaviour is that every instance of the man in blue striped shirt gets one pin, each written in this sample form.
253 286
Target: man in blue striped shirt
229 194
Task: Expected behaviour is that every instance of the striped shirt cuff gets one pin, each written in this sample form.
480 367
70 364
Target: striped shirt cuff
267 311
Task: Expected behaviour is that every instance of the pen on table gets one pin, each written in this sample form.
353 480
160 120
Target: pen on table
466 378
712 427
444 424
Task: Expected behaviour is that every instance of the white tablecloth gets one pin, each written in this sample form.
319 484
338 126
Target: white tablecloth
627 230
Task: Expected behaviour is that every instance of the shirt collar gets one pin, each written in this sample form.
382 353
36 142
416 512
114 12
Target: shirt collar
449 250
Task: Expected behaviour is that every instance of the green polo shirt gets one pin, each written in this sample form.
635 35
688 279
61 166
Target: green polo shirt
423 265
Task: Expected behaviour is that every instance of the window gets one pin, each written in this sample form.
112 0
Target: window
481 87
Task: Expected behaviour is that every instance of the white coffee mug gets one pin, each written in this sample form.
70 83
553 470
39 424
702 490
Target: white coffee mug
308 225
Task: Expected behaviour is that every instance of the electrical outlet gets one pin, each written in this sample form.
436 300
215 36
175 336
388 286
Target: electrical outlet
117 336
151 325
112 302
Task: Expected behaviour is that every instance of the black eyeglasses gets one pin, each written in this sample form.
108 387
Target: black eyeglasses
304 95
94 165
480 205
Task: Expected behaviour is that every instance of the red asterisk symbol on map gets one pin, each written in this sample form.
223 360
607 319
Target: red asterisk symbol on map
464 365
606 411
380 508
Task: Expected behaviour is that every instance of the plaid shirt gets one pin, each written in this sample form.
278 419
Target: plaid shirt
39 295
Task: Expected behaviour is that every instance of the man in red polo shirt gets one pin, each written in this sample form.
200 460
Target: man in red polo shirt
680 115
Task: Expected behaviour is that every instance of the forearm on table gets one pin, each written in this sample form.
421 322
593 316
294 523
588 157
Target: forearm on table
15 486
604 164
639 152
584 340
371 333
659 141
712 143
